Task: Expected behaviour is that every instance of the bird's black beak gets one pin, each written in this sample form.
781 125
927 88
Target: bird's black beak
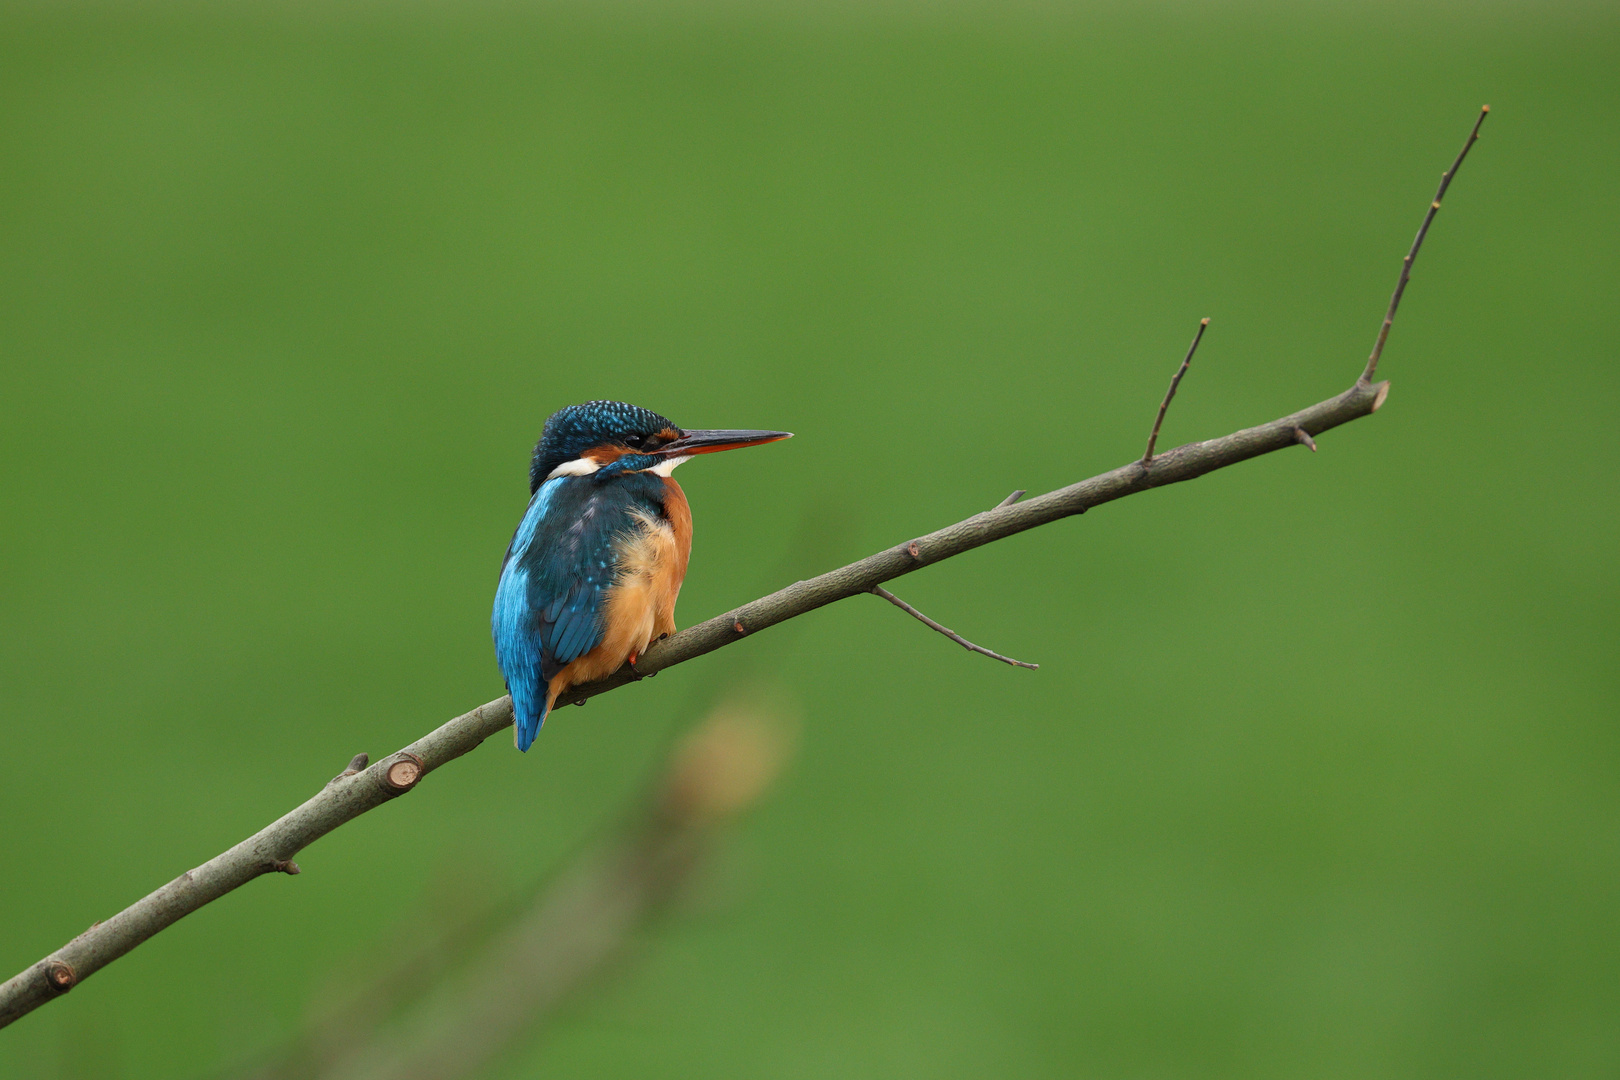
711 442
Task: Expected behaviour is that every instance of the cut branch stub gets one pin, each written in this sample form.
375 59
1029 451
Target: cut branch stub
59 976
402 773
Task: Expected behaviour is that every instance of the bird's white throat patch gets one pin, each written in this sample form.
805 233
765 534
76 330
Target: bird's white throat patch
578 467
667 466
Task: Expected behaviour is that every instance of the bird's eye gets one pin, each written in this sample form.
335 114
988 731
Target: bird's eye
634 439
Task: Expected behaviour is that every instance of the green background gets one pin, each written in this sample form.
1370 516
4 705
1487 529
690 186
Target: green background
1320 776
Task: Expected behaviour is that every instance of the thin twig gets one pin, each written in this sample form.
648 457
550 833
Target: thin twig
347 797
1009 500
947 631
1411 256
1164 406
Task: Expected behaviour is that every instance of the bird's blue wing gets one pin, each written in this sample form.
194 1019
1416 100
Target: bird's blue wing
548 605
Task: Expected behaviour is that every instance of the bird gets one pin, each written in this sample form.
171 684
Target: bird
592 573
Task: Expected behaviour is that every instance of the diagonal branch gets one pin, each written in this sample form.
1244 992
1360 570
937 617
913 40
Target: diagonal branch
348 796
947 631
352 792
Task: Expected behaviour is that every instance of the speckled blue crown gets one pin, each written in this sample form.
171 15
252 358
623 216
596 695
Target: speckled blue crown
572 431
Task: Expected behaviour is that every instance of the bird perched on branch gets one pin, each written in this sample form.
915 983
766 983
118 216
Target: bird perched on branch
591 575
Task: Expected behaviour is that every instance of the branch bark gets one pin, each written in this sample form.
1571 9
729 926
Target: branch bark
352 792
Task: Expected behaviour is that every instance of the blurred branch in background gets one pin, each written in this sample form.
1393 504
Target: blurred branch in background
452 1004
360 788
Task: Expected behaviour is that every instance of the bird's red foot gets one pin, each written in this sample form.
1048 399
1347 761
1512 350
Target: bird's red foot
636 674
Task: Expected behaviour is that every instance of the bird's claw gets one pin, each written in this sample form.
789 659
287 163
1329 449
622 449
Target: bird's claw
636 673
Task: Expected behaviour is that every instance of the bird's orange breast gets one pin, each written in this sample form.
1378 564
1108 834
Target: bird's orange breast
679 513
639 607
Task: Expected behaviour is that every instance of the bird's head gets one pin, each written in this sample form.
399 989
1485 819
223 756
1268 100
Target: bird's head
608 437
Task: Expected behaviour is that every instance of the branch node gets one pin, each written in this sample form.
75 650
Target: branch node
403 773
913 550
60 976
283 866
1303 437
1175 381
356 764
1383 392
736 624
1009 500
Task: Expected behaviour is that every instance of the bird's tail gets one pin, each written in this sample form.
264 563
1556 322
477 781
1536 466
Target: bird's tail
529 715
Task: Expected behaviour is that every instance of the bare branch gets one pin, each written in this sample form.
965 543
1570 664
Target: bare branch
1411 256
947 631
269 850
346 797
1169 395
349 795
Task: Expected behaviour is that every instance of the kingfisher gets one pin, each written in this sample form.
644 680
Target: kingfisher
591 575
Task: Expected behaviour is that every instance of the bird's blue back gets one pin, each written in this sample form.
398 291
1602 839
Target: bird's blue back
556 577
